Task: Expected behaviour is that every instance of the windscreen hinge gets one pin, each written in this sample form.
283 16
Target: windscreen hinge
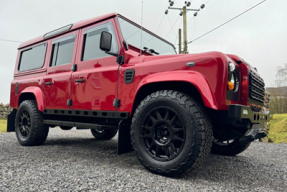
69 102
117 103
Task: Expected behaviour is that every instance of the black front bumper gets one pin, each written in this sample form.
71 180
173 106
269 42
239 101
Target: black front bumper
241 112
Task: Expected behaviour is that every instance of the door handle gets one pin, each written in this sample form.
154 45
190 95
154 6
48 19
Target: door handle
48 83
80 80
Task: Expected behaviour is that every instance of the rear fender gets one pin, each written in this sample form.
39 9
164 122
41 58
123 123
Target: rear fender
192 77
38 95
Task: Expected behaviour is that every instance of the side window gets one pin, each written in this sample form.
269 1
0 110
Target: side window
32 58
62 50
91 43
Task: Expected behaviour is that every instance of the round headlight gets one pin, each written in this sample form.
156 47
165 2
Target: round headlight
233 82
231 66
233 79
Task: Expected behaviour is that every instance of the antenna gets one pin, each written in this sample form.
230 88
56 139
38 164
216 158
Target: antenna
141 33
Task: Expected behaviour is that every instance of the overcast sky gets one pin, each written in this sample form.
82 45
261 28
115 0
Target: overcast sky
259 36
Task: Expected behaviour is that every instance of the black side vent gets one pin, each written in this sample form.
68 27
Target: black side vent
129 76
17 88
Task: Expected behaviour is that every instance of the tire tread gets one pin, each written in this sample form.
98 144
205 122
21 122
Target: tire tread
202 132
39 130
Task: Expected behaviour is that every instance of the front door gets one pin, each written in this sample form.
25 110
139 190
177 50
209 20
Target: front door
94 84
57 82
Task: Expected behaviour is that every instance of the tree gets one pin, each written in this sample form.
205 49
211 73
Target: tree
278 102
281 77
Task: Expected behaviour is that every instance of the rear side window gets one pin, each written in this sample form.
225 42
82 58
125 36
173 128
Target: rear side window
91 46
62 51
32 58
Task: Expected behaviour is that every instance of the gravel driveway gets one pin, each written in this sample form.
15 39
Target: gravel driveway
75 161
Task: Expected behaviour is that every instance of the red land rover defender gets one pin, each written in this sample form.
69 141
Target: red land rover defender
172 109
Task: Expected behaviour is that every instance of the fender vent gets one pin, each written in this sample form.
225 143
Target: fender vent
129 76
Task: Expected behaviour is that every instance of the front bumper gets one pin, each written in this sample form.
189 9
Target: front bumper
241 112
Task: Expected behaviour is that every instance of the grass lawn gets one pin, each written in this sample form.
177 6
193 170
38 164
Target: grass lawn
278 128
3 125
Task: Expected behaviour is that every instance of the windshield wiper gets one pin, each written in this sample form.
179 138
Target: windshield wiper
150 50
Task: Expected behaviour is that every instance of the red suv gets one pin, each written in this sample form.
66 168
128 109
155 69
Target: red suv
172 109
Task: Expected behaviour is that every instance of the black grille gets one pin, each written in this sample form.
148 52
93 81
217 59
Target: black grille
256 87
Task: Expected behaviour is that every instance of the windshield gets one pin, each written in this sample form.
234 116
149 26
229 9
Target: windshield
150 43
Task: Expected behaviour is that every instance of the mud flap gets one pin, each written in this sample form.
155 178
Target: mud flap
124 137
11 121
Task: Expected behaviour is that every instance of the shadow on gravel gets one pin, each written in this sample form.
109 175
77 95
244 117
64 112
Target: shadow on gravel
91 151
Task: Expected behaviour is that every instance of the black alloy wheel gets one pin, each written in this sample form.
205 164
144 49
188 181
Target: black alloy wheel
29 127
163 133
104 134
170 133
24 123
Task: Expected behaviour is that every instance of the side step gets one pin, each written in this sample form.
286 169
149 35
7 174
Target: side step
76 124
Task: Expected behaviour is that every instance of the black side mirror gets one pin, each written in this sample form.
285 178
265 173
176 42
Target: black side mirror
106 41
106 44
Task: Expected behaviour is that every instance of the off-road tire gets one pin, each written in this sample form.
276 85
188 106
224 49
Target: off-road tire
198 129
106 135
234 148
66 128
38 132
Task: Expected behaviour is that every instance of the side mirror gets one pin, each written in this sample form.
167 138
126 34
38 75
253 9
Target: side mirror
106 41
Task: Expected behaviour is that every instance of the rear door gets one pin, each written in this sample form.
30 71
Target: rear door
57 83
94 84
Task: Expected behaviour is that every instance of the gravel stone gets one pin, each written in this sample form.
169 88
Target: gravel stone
75 161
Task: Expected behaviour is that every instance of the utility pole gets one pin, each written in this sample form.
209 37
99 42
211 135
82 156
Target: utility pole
179 41
183 12
184 30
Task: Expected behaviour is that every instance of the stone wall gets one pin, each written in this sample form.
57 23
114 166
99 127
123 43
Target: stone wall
4 111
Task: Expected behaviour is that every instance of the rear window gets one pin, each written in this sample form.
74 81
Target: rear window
62 52
32 58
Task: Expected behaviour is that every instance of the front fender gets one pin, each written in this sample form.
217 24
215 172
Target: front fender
192 77
38 95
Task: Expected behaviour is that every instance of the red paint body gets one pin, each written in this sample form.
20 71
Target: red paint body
209 75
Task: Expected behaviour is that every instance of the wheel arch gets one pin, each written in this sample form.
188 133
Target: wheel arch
190 83
32 93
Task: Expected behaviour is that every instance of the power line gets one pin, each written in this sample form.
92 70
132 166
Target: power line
207 2
160 23
193 29
197 14
12 41
177 33
226 21
161 20
171 26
